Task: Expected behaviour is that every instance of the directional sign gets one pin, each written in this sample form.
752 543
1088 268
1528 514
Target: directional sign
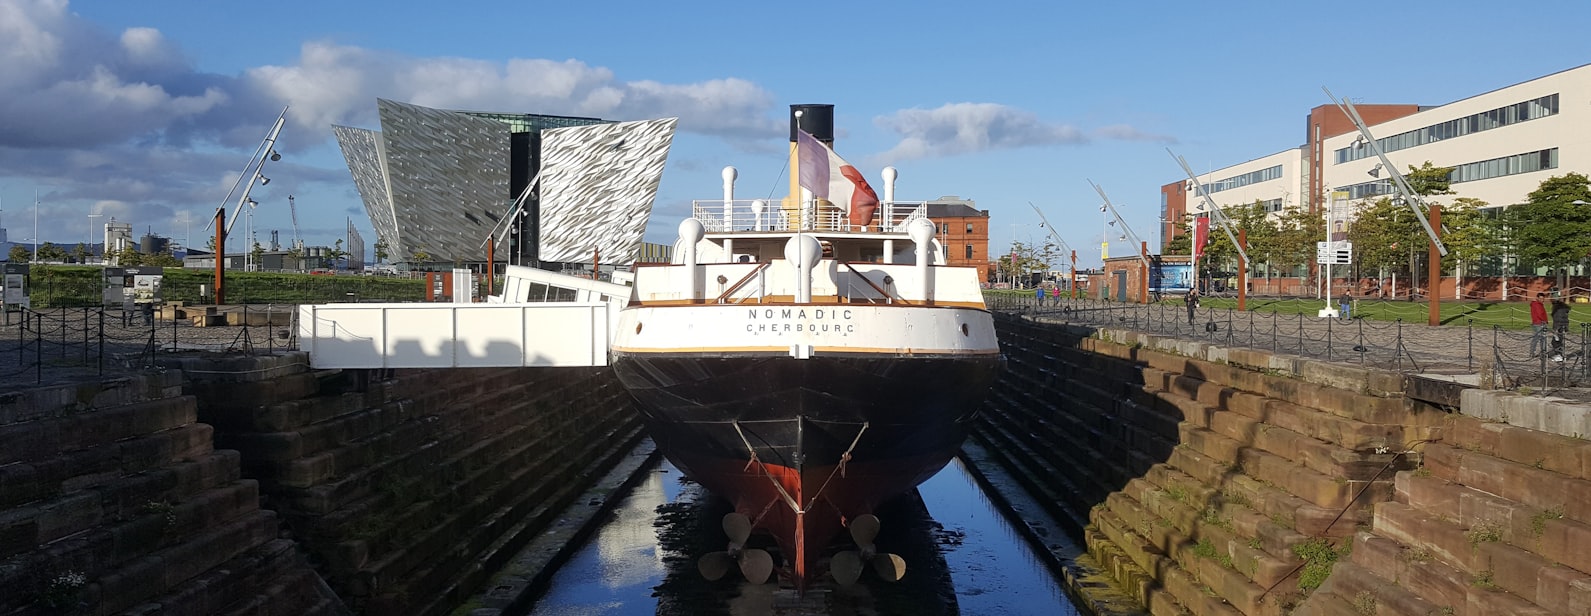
1334 253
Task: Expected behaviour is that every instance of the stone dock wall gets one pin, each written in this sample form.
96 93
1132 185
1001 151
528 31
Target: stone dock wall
235 484
1210 480
113 499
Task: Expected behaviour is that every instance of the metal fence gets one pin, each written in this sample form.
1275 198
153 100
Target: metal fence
72 342
1514 358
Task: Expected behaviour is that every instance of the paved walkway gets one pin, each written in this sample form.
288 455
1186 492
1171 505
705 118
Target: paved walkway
75 344
1405 347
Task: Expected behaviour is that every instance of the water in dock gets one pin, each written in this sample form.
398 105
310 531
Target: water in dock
962 556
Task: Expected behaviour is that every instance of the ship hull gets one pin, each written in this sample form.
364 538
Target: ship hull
803 446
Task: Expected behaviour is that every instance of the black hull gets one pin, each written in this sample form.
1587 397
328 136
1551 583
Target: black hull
803 446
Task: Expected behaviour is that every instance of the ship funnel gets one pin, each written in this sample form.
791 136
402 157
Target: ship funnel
729 212
817 120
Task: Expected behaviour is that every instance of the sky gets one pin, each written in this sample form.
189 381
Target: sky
147 111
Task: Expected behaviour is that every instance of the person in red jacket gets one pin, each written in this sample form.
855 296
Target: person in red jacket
1538 325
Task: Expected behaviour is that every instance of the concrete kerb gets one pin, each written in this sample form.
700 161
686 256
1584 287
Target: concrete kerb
233 368
48 400
1542 413
1370 381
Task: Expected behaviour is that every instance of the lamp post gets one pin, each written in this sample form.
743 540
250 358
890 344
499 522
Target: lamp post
90 239
264 153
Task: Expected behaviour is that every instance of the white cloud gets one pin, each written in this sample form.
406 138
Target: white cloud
124 121
962 128
338 84
1124 132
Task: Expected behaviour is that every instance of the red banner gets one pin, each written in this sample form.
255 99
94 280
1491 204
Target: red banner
1201 235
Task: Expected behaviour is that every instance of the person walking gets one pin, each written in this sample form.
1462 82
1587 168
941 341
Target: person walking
1192 300
1346 301
1560 326
1538 325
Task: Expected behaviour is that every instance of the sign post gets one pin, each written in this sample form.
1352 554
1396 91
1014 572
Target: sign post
1328 254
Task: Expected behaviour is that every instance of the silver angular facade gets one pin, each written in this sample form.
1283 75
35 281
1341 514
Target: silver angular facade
362 149
597 188
439 177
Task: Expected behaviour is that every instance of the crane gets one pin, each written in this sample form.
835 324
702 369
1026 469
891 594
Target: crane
294 211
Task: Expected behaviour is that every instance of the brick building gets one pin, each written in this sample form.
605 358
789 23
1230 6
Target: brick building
964 231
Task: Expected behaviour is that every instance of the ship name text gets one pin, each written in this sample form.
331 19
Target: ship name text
778 321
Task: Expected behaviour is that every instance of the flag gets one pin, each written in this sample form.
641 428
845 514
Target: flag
1201 235
829 177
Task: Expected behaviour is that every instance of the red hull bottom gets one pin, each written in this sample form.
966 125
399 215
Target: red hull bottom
805 510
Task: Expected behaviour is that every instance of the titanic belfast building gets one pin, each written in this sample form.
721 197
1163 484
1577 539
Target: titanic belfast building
437 183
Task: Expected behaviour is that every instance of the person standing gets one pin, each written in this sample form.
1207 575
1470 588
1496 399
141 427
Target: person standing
1192 300
1347 304
1560 326
1538 325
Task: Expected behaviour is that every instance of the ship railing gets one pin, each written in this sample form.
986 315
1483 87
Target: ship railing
869 290
757 215
742 291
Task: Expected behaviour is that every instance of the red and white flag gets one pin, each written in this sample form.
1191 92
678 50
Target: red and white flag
829 177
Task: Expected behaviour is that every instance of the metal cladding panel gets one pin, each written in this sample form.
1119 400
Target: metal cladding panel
449 174
597 188
362 149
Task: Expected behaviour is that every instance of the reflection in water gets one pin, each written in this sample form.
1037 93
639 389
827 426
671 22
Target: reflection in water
617 576
963 558
994 571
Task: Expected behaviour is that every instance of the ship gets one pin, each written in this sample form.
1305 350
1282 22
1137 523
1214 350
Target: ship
807 358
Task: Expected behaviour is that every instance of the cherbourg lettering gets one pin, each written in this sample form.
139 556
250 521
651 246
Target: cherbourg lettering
819 321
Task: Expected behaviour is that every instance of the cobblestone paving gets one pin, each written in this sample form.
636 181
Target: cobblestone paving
1405 347
78 344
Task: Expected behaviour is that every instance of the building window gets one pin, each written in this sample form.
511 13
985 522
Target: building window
944 228
1238 181
1470 172
1486 120
969 227
969 250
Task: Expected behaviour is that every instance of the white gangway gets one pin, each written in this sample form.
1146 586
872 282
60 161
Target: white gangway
518 328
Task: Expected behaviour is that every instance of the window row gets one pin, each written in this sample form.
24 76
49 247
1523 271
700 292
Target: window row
1238 181
1470 172
1487 120
1507 165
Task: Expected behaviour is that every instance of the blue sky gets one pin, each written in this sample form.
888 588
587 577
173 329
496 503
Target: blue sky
147 110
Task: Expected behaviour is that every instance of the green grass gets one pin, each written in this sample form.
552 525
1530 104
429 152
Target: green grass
68 285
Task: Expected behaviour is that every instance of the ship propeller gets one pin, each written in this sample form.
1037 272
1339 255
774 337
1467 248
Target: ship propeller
738 528
846 567
890 567
713 565
755 564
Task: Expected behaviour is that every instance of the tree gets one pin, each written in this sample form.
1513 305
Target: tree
420 256
20 254
256 253
1382 233
1466 233
381 250
1553 231
129 256
80 253
336 255
161 259
1428 180
1292 247
1027 259
50 252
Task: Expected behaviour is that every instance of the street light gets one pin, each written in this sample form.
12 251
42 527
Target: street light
90 240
